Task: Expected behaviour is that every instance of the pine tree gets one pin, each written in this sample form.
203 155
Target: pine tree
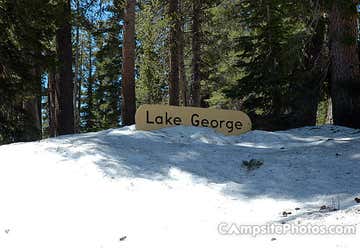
108 76
269 51
24 55
152 64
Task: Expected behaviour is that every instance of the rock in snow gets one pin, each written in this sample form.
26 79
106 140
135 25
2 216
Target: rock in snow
181 187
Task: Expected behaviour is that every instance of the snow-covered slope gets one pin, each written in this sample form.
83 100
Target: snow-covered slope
179 187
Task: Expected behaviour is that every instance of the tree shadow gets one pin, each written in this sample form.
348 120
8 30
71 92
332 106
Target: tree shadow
297 165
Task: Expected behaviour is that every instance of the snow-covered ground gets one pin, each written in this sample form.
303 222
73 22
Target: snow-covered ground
180 187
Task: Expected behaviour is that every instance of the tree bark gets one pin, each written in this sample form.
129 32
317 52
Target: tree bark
90 119
329 116
182 71
174 51
128 105
65 120
76 97
345 81
53 104
196 53
80 81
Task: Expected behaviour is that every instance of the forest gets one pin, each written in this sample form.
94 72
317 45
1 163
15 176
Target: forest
75 66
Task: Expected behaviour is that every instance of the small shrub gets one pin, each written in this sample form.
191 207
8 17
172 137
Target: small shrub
252 164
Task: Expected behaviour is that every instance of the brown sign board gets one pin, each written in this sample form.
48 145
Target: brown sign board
228 122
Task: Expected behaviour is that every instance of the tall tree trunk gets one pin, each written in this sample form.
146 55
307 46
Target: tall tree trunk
196 53
174 52
80 80
128 104
65 121
345 74
182 71
76 74
53 104
90 119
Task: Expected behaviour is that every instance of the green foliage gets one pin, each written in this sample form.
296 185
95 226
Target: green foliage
257 56
152 64
272 48
24 45
100 62
108 72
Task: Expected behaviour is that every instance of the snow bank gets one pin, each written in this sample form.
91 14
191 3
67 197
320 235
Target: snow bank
173 187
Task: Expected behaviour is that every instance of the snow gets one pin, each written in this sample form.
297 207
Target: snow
173 187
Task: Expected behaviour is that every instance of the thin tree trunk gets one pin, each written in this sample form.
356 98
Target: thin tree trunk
53 104
345 74
81 78
182 71
174 52
65 120
196 53
329 116
76 74
128 105
90 88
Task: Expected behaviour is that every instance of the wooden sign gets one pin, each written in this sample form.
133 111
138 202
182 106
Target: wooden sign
228 122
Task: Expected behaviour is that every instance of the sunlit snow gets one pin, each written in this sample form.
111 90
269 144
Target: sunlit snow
173 187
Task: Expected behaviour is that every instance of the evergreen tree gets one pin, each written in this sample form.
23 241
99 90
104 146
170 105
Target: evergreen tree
24 55
269 51
279 61
152 64
108 76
